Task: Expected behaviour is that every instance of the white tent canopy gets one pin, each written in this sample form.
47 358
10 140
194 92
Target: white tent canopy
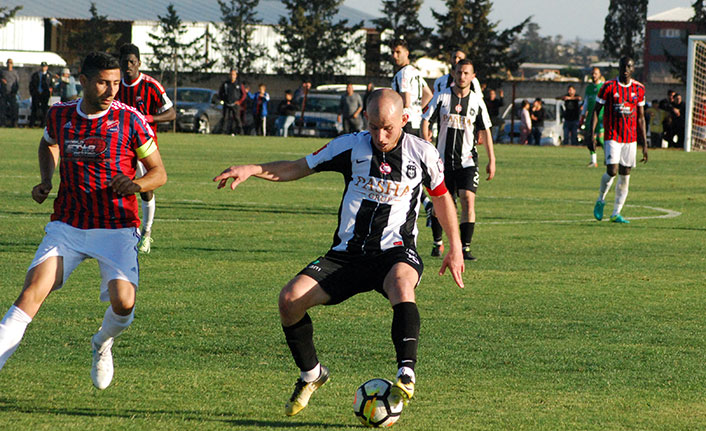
31 58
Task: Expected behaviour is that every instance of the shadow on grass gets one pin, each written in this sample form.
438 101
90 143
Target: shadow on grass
9 405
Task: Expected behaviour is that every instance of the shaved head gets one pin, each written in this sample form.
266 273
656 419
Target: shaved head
386 118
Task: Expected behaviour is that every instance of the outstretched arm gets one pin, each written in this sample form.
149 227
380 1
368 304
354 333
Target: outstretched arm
446 214
273 171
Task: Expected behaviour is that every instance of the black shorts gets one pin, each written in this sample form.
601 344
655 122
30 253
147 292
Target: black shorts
343 275
462 179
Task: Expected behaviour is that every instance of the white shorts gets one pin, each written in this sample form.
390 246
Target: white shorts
141 170
114 249
617 153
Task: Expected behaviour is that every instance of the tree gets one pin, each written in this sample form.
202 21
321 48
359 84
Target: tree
312 43
466 26
238 49
624 29
98 34
171 54
401 18
6 14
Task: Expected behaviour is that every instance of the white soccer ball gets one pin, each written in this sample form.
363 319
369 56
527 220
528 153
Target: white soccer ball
372 404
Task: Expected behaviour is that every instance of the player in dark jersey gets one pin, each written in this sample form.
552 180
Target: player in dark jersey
462 115
374 244
624 123
96 141
147 95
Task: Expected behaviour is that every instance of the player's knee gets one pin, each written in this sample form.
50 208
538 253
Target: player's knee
147 196
123 308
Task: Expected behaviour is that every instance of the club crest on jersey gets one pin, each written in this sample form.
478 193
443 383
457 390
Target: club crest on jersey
411 171
89 149
68 125
385 168
113 126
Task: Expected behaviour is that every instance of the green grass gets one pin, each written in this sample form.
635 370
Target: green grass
565 323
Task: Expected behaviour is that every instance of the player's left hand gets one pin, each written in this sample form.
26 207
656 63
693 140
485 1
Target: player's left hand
454 262
490 170
644 156
123 185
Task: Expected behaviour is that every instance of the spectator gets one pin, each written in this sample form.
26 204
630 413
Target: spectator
66 86
349 111
679 123
525 122
494 104
9 86
259 109
232 93
654 122
40 88
667 105
572 112
301 93
537 116
286 111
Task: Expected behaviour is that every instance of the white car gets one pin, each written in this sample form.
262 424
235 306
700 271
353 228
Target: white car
553 133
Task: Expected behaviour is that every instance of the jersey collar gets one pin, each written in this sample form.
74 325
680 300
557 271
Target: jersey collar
137 81
90 116
624 85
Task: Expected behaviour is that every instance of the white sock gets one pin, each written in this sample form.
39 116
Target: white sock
113 325
606 182
425 200
594 160
12 329
312 374
408 371
148 210
621 193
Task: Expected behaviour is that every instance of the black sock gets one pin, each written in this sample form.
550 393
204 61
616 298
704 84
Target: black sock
436 229
405 333
300 339
467 233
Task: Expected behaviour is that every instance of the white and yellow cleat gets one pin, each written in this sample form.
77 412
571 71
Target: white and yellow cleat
145 244
402 390
302 393
102 368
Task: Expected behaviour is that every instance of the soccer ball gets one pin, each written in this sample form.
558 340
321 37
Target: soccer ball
372 405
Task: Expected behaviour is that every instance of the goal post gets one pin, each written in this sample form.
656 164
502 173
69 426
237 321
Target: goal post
695 133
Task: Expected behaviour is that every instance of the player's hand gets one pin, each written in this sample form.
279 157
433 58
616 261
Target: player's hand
490 170
41 191
237 173
123 185
454 262
644 156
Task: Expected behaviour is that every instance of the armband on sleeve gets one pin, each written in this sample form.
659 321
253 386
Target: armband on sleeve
146 149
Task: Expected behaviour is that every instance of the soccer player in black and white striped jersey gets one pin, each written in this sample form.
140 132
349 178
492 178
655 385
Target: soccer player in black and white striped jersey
374 245
461 113
410 84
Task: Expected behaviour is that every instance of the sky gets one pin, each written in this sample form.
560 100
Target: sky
570 18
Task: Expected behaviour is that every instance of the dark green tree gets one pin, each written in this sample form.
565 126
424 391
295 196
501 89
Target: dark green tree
466 25
237 48
98 34
624 29
401 18
171 54
312 43
7 13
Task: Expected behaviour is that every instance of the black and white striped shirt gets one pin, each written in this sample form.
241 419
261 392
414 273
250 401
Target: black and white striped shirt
380 203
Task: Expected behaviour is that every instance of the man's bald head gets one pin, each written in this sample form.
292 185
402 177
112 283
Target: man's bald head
386 118
384 102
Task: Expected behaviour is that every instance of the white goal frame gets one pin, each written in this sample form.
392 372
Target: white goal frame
694 43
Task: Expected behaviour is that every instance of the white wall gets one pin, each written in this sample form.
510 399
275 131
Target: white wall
23 34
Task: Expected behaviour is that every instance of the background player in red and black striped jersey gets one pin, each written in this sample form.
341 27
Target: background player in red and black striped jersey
624 123
147 95
96 141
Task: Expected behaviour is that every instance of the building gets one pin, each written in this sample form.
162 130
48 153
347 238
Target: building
46 25
666 32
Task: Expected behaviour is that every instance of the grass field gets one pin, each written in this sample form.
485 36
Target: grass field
565 323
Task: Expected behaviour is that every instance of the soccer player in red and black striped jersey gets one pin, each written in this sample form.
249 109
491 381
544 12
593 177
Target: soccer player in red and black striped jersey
624 121
374 246
96 141
147 95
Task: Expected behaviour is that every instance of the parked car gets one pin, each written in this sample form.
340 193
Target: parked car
553 133
320 116
198 110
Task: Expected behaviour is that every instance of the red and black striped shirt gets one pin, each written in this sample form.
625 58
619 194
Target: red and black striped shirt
146 95
620 104
93 149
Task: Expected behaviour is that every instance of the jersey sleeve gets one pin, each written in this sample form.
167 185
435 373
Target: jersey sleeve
50 131
432 107
142 136
433 169
641 96
406 76
601 96
334 156
483 118
163 101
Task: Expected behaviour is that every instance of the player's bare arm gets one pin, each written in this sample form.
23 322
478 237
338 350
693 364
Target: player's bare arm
446 213
641 132
426 130
155 177
426 94
286 170
485 137
48 155
168 115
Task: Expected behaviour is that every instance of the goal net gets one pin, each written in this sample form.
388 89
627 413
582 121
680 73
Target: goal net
695 133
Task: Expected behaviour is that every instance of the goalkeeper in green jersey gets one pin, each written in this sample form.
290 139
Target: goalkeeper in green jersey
589 102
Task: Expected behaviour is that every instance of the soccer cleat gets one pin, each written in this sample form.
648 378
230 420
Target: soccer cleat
402 390
467 254
592 165
302 393
598 210
437 250
618 219
102 369
145 243
428 208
